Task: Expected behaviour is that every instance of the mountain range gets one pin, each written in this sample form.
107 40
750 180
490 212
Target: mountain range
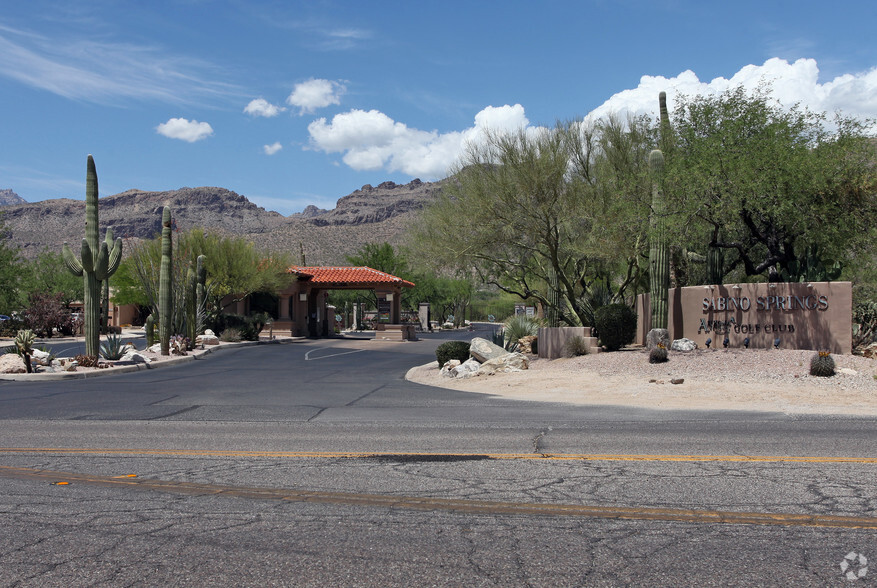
372 214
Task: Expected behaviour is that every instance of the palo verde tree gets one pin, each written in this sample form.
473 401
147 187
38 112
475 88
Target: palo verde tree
532 212
232 268
767 183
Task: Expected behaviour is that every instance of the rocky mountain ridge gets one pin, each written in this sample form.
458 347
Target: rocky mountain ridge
10 198
370 214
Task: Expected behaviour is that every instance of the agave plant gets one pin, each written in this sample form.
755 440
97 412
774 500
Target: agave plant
519 326
113 349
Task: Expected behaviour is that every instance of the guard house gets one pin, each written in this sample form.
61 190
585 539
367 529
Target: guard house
302 306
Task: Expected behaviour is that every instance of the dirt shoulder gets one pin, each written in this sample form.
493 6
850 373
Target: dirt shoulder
737 379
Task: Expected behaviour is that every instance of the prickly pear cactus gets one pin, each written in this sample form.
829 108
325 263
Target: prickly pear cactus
97 262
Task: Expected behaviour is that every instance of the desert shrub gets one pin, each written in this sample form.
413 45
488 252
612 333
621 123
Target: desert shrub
822 364
46 312
658 354
11 326
616 325
452 350
247 327
231 335
864 323
575 346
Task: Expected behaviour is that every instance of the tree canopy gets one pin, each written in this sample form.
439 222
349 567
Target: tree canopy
561 215
234 268
764 182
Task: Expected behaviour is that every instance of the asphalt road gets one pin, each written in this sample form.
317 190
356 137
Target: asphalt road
316 464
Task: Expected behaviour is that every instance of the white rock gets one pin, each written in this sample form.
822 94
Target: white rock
10 363
683 345
847 371
467 369
134 357
483 350
39 357
206 339
449 365
209 333
155 348
510 362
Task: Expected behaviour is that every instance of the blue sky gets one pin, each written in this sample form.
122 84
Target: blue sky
297 103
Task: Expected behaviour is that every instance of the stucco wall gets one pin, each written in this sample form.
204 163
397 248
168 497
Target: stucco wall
804 316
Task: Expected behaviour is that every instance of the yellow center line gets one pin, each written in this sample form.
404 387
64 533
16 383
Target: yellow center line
445 504
449 456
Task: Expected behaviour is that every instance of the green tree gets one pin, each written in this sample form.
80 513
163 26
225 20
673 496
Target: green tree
235 269
11 267
561 208
765 183
48 274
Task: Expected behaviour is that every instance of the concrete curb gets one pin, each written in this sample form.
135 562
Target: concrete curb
124 369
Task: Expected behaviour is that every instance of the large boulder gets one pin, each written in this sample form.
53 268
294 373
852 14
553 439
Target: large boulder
11 363
656 336
483 350
510 362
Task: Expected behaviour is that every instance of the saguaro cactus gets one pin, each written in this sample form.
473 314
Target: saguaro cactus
200 294
165 284
667 139
659 250
553 314
715 259
97 262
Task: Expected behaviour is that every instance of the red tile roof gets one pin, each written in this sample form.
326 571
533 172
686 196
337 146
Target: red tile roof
348 276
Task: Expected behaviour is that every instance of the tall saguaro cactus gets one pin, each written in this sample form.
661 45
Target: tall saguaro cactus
97 262
659 249
667 139
165 284
200 294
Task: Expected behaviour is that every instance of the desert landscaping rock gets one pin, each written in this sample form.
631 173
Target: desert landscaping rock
10 363
656 336
483 350
510 362
683 345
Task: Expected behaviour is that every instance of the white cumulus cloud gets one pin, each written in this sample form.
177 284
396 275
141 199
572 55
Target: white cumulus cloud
261 107
185 130
371 140
791 83
272 148
315 93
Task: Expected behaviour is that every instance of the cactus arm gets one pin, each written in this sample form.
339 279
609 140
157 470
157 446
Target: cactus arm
87 259
115 257
70 261
101 262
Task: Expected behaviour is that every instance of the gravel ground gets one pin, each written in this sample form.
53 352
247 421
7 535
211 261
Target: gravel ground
734 379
